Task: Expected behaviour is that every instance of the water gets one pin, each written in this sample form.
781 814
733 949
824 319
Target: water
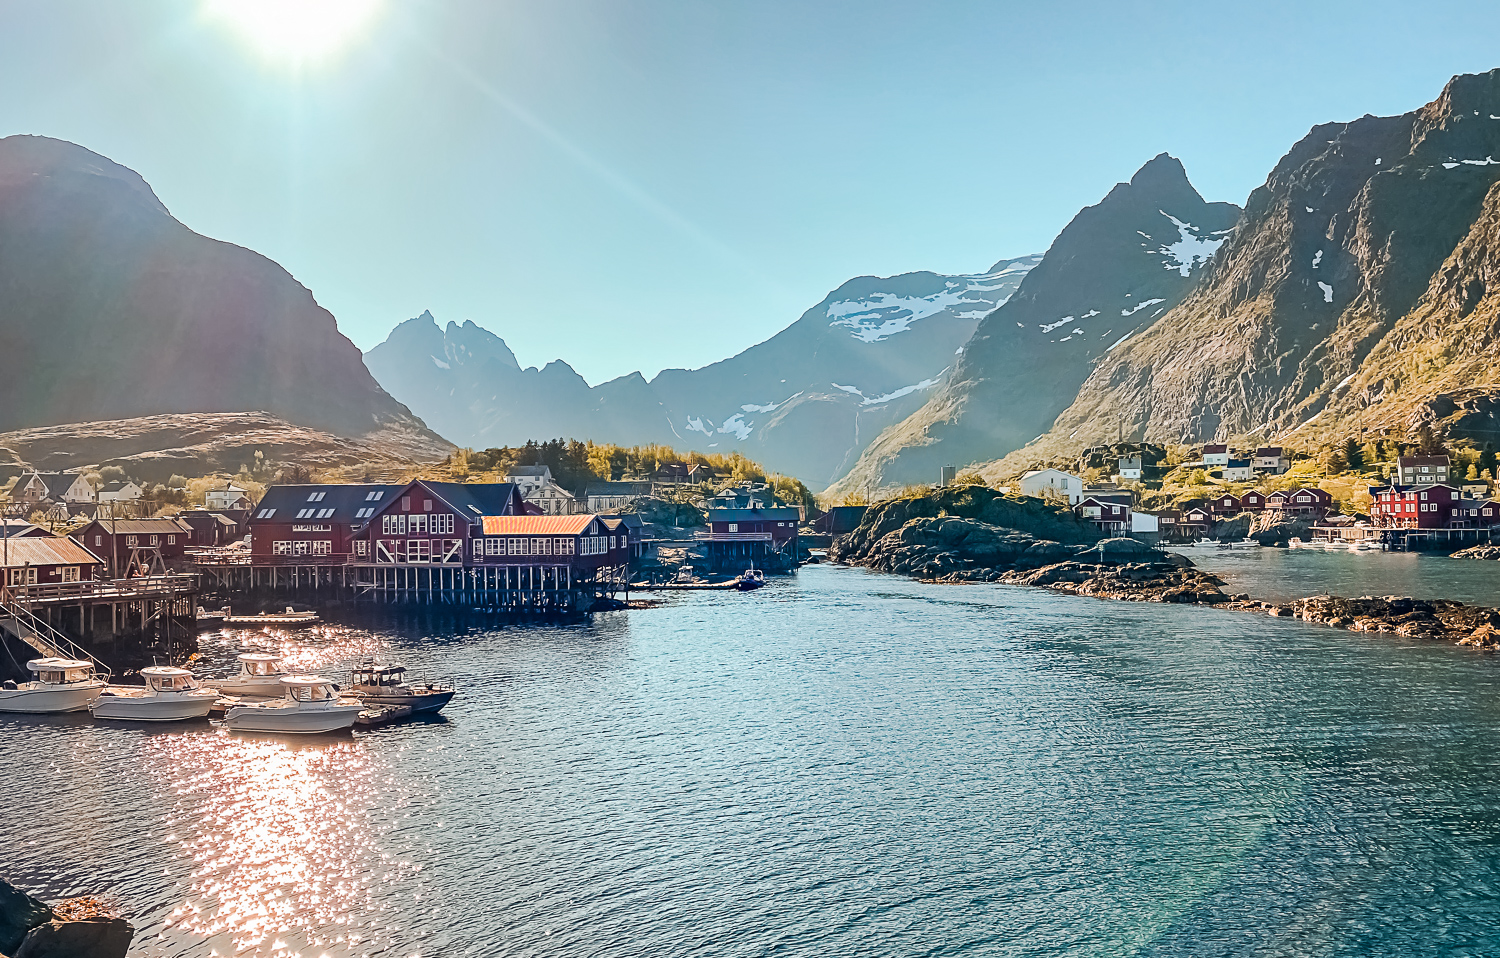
841 763
1278 575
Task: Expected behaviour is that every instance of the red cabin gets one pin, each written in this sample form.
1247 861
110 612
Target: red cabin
130 546
428 522
1312 503
1225 505
1252 501
314 524
44 560
1419 507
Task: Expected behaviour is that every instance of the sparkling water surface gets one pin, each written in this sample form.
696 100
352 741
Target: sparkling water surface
841 763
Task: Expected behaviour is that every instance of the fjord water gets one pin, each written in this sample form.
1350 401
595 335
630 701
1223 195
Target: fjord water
841 763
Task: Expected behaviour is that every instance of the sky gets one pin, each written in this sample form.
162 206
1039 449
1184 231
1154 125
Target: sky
639 185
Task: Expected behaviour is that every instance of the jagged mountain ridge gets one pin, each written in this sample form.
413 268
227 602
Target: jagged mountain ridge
1111 272
1357 293
110 308
803 402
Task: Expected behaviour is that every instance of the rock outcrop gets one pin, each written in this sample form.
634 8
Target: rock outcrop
1486 551
76 928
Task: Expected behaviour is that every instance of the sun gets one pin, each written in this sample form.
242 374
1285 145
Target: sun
295 30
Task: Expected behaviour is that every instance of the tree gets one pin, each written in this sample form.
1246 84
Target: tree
1335 461
1354 455
295 474
1487 459
1428 444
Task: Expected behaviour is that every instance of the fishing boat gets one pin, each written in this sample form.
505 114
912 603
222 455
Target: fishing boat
310 705
211 618
169 695
380 684
260 674
61 685
750 579
290 617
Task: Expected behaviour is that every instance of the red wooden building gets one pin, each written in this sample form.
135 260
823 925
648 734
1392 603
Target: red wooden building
1436 506
306 524
133 546
45 560
1107 514
1226 504
427 522
1311 503
1252 501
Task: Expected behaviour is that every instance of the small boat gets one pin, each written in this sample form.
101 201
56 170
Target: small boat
211 618
169 695
311 705
260 674
378 684
289 617
751 579
61 685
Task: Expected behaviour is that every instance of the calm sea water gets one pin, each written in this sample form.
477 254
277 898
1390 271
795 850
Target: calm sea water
843 763
1282 574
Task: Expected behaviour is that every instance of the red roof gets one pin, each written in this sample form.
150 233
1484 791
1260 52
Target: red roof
536 525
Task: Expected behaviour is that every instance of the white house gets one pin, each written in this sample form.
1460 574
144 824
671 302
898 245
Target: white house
230 497
1130 467
1144 522
1237 470
538 488
1270 459
1216 455
1039 482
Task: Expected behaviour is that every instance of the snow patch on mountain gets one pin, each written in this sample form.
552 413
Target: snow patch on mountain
1140 306
880 316
1191 249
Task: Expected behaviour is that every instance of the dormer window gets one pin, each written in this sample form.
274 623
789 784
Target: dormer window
316 496
374 496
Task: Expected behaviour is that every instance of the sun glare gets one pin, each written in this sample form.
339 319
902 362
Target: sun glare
295 30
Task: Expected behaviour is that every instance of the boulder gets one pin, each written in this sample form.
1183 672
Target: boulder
19 913
1478 552
1118 552
90 938
1272 529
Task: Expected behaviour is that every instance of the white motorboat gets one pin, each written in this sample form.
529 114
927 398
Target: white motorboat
61 685
379 684
169 695
260 674
310 705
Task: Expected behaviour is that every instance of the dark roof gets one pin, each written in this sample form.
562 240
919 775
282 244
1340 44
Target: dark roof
744 515
1240 463
1268 451
161 525
20 527
476 499
1404 461
336 502
628 488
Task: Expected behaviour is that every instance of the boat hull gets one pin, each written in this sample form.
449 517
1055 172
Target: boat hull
267 686
153 708
418 703
291 721
50 700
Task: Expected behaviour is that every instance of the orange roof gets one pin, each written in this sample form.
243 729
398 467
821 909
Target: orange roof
536 525
45 550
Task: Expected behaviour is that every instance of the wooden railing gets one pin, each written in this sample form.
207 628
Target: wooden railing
101 589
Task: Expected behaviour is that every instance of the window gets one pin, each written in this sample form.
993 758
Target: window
265 513
322 548
418 550
171 540
70 573
281 548
393 525
130 542
23 576
406 503
374 496
734 527
361 547
515 546
426 505
363 513
442 524
98 540
316 496
303 513
300 548
417 525
611 542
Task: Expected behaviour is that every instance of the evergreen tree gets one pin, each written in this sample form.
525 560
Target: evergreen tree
1354 456
1487 459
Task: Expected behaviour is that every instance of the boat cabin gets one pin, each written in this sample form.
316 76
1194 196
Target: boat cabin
378 676
260 663
61 671
309 688
166 678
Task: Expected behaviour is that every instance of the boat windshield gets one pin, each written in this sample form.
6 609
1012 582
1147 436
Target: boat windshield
261 668
312 693
383 676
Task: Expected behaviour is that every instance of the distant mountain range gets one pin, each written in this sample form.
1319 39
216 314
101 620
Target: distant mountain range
804 402
111 309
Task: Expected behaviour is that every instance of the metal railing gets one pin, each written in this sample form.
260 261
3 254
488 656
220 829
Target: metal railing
44 638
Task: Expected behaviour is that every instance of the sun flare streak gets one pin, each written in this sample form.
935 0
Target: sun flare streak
295 31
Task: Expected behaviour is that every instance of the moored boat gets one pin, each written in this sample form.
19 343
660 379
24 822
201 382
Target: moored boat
379 684
61 685
169 695
311 705
750 579
260 674
289 617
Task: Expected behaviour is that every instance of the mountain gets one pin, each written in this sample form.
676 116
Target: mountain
804 402
1358 292
1112 271
112 309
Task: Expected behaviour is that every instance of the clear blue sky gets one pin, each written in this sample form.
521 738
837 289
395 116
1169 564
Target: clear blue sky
633 185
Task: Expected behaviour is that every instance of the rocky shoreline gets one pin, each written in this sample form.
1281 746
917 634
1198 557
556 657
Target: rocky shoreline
945 538
86 927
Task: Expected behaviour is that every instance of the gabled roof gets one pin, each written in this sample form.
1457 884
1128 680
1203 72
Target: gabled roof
539 472
161 525
476 499
537 525
45 550
20 527
337 502
1404 461
1268 452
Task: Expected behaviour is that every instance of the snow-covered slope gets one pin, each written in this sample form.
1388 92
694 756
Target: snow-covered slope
805 402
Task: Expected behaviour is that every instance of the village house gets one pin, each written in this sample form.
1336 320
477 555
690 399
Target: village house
311 524
10 528
572 547
1130 467
614 496
1226 504
541 490
1271 460
57 486
1421 470
1042 482
44 560
119 498
1108 515
1252 501
1195 521
1426 506
1215 454
1308 503
137 546
210 528
758 535
429 522
229 497
1167 521
1237 470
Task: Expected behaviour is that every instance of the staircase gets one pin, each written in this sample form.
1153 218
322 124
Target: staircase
51 643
